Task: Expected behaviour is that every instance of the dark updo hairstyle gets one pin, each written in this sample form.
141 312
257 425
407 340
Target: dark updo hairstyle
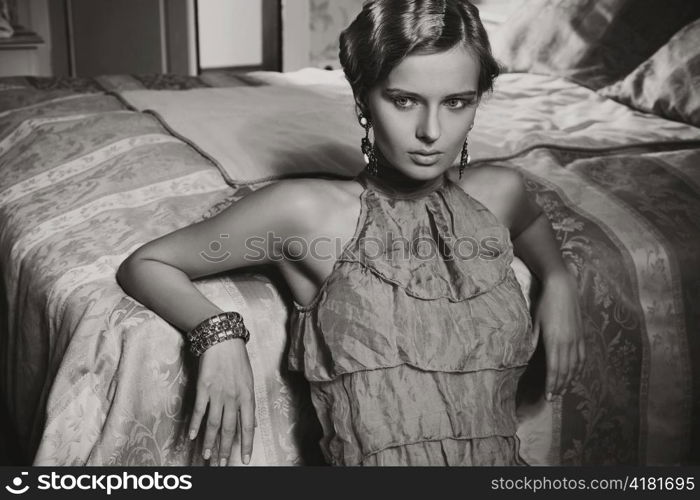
386 31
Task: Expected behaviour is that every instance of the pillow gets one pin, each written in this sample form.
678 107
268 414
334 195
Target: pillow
291 129
668 83
263 133
493 13
592 42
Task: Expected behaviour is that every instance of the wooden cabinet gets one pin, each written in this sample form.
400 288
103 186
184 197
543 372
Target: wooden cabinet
86 38
130 36
171 36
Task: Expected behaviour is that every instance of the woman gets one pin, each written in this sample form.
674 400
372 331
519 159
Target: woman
413 356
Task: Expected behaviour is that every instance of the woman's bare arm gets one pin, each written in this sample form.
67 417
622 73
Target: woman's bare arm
249 232
159 276
534 243
557 316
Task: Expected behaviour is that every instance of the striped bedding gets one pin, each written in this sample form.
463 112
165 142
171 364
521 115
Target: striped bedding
89 376
92 377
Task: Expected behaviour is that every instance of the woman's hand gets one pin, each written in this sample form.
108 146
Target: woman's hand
558 319
225 384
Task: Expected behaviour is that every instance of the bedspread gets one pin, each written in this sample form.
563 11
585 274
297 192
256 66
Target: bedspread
84 182
628 229
620 188
85 179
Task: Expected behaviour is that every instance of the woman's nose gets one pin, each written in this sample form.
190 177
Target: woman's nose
428 129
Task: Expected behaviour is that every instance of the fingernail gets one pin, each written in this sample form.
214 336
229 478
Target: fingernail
207 454
549 396
246 459
222 462
193 435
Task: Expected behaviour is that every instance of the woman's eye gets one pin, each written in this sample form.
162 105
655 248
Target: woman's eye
456 103
403 102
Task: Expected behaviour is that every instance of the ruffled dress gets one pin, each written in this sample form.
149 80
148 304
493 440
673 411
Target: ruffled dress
414 344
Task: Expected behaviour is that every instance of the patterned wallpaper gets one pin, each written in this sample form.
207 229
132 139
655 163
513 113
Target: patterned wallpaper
327 19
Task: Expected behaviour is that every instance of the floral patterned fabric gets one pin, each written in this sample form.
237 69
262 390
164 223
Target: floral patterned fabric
626 225
84 180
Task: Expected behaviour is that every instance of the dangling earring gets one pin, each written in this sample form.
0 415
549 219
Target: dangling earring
367 148
464 161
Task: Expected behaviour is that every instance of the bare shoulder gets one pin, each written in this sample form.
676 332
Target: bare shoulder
304 193
242 233
499 189
315 203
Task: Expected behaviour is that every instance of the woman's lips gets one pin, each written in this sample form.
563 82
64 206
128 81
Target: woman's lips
425 159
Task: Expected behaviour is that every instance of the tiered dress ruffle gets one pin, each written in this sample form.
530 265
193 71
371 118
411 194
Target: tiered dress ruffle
414 357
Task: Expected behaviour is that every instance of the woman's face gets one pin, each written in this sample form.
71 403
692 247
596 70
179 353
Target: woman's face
422 112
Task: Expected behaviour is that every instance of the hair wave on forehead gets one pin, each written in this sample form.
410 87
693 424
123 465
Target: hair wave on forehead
386 31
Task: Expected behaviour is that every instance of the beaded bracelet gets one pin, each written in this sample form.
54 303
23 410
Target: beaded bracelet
211 331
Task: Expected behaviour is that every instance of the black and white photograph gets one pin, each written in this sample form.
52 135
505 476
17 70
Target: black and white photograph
381 233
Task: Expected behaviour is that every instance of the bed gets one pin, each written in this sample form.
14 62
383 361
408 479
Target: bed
90 169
